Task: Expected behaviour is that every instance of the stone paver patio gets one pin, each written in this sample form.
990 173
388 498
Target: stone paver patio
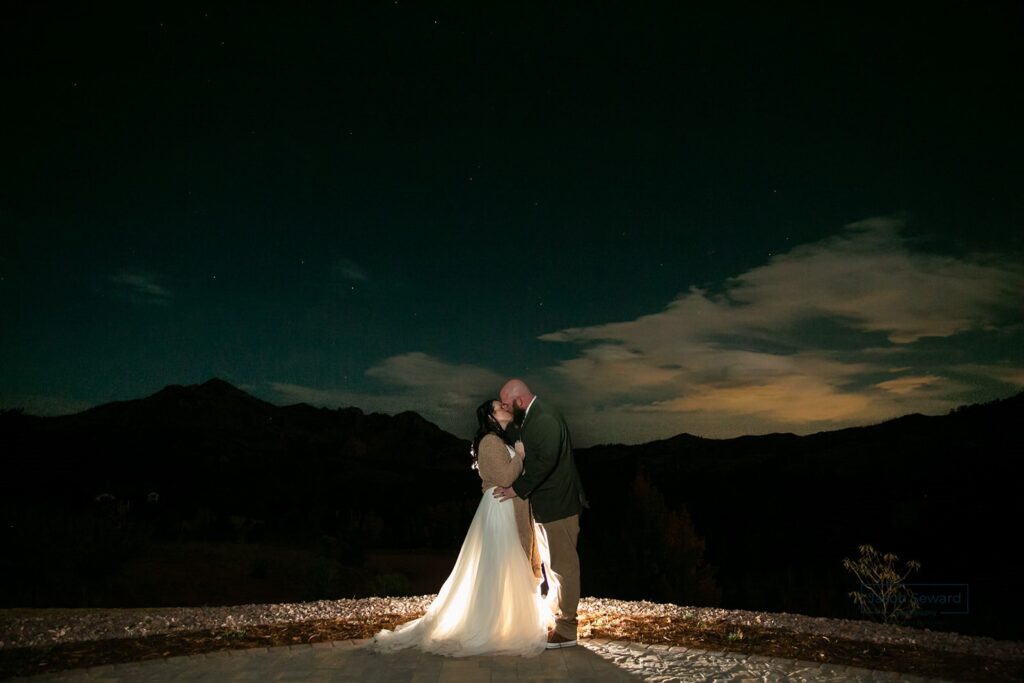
593 660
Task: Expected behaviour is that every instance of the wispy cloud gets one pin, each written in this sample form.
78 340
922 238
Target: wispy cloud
805 342
421 372
854 329
43 404
348 270
1007 374
910 385
444 393
141 287
289 393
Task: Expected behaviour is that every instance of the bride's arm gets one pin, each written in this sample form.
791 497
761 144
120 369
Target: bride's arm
494 463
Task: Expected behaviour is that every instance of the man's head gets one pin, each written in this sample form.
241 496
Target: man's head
517 396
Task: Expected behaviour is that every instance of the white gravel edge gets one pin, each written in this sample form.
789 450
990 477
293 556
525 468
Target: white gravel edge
33 627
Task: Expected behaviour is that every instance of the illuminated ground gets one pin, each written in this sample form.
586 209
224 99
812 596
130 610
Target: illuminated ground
683 640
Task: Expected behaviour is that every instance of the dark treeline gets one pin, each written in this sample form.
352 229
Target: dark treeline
206 470
204 495
779 512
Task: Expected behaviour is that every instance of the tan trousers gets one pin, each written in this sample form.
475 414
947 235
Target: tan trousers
565 565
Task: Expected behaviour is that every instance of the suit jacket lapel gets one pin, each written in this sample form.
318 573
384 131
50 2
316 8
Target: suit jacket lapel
531 414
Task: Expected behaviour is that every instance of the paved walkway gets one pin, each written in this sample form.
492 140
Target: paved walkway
595 660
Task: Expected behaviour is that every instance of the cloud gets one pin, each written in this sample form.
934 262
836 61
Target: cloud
141 287
854 329
1004 374
289 393
869 278
444 393
424 373
866 279
346 269
45 405
906 386
802 343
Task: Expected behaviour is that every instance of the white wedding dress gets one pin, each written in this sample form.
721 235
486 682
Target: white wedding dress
490 603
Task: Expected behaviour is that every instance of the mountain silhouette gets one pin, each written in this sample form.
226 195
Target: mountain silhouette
214 404
775 514
214 447
780 511
228 418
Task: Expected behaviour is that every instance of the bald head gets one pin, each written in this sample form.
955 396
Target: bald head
515 393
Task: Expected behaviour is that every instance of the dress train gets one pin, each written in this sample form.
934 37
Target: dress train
490 602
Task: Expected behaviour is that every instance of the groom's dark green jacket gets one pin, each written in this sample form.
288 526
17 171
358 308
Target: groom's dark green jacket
549 479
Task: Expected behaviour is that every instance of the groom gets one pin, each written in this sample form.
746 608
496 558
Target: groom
552 485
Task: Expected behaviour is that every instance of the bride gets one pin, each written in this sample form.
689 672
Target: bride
490 602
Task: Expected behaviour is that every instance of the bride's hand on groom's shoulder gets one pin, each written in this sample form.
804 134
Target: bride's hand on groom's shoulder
520 449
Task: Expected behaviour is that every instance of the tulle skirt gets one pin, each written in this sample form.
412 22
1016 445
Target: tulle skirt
490 602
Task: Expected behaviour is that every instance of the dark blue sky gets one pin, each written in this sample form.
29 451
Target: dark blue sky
720 221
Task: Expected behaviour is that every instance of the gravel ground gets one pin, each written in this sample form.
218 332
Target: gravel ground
33 627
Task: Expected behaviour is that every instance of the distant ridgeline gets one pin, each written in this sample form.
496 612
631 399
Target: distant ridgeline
92 502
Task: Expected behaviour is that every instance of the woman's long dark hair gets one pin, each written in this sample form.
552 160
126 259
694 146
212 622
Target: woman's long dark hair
487 424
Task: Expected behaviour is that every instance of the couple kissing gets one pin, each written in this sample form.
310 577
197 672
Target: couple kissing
515 586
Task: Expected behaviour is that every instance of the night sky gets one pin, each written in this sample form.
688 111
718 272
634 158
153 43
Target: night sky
723 222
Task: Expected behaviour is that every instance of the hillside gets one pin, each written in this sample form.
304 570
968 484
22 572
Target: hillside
779 512
758 522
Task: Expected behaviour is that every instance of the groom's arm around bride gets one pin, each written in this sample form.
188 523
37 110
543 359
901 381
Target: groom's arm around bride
552 484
